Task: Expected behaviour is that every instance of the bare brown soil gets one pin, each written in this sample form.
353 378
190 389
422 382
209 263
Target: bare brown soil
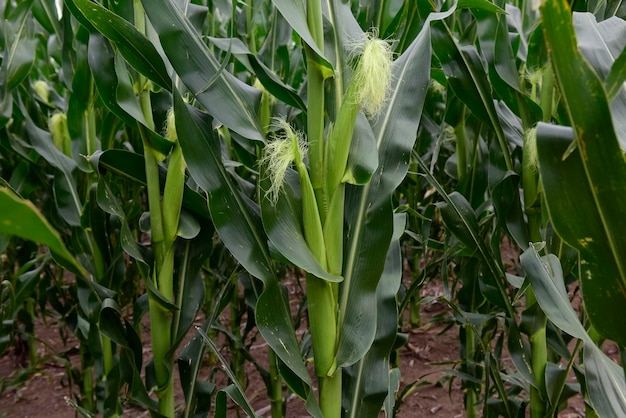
430 351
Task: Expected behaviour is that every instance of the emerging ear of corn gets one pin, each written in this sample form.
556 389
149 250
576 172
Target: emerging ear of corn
367 91
42 90
60 133
265 109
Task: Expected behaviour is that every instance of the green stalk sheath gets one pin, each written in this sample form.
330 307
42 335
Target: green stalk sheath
471 398
547 93
330 395
322 323
315 127
161 222
461 147
339 140
538 338
315 102
160 335
333 231
250 26
172 204
322 301
276 387
159 317
320 295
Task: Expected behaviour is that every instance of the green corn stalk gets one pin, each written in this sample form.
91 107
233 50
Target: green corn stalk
164 218
323 206
275 391
532 207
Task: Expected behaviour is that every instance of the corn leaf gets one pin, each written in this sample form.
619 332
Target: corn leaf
225 97
605 379
283 223
295 14
21 218
466 76
135 47
592 179
369 380
110 75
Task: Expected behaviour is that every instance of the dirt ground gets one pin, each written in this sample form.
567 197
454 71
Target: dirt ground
423 360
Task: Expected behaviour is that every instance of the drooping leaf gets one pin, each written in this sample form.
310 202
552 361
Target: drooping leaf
267 77
21 218
135 47
605 379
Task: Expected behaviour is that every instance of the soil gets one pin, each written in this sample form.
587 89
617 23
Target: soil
429 390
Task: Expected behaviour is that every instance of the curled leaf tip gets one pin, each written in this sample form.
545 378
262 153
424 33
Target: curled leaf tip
287 147
373 74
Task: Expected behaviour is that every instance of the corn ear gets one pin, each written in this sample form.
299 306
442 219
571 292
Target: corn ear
60 133
367 91
43 90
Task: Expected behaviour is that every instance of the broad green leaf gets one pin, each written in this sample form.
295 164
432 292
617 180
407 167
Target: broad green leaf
294 12
21 218
605 379
370 220
592 178
245 238
567 186
605 383
67 199
267 77
283 223
225 97
135 47
368 382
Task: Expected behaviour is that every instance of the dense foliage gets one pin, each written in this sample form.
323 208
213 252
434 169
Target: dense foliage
168 160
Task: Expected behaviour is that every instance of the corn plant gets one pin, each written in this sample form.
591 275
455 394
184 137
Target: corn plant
242 137
490 113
